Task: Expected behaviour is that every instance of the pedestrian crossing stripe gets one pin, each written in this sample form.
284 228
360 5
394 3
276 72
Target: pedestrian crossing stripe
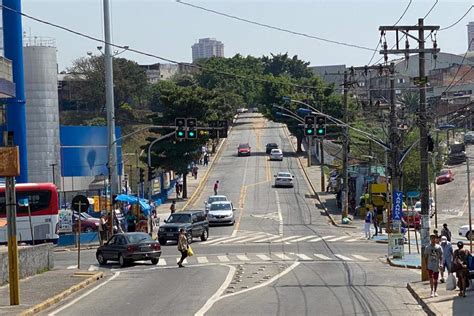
302 238
303 256
321 256
338 238
360 257
264 257
343 257
223 258
243 257
282 256
202 260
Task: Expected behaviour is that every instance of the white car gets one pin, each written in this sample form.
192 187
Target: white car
214 198
432 207
276 154
464 232
221 212
284 179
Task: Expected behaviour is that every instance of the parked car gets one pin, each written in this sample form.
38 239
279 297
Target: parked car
276 154
284 179
221 212
445 176
89 224
213 198
243 150
270 146
128 247
195 224
412 218
417 207
469 138
464 232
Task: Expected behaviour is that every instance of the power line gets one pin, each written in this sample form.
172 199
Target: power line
277 28
431 9
460 19
404 12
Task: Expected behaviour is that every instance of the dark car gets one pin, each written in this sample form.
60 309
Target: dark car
243 150
128 247
89 224
194 223
270 146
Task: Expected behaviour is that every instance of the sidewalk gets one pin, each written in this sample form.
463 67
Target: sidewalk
43 290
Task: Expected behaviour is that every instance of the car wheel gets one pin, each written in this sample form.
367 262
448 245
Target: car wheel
162 241
155 261
470 236
122 260
189 237
89 229
205 235
100 258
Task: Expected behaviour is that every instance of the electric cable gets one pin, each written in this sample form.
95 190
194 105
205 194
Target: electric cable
459 20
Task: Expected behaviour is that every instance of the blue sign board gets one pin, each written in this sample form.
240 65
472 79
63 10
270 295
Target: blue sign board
397 210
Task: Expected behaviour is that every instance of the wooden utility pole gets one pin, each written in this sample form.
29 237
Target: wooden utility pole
345 152
423 120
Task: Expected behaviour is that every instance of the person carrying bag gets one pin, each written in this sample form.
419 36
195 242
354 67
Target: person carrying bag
183 247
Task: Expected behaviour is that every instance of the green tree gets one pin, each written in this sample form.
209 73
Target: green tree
282 65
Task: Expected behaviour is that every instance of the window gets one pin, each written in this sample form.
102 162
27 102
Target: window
112 240
195 219
38 201
121 240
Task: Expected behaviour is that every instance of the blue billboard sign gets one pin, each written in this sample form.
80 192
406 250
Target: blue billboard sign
397 210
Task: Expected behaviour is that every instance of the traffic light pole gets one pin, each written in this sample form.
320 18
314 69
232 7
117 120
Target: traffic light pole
310 143
345 151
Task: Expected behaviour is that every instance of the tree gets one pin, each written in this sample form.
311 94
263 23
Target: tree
282 65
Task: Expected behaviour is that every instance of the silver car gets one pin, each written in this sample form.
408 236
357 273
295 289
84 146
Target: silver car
276 154
221 212
284 179
213 198
469 138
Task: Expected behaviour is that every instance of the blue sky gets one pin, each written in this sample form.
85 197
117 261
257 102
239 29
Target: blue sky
168 29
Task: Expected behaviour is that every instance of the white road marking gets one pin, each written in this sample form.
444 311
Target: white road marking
280 216
282 256
214 240
302 238
249 239
361 257
217 295
233 239
286 238
264 257
315 239
72 267
223 258
317 255
355 239
267 239
184 261
243 257
202 260
162 262
93 268
303 256
242 186
116 274
338 238
343 257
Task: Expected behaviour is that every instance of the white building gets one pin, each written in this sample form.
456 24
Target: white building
470 36
207 48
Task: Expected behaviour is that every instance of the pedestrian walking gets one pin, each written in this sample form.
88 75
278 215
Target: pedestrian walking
446 232
438 236
131 222
216 187
447 256
368 221
102 229
195 172
459 266
182 247
434 257
206 159
177 189
173 207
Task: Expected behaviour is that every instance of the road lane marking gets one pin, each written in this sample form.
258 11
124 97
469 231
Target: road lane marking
249 239
303 256
267 239
355 239
72 267
280 216
338 238
286 238
282 256
264 257
315 239
217 295
93 268
202 260
116 274
242 257
343 257
302 238
233 239
184 261
214 240
360 257
321 256
223 258
162 262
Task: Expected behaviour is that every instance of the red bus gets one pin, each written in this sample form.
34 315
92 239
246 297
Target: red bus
43 204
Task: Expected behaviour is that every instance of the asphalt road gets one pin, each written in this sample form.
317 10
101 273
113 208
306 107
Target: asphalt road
281 257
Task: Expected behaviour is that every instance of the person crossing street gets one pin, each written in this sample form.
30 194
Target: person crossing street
182 247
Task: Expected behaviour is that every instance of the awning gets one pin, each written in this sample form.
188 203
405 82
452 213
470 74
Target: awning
134 200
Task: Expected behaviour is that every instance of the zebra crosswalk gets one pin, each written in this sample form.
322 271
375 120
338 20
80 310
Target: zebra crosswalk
260 237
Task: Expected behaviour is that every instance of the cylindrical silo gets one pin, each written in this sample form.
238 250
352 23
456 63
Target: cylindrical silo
42 110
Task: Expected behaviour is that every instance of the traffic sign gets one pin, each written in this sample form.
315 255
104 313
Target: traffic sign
397 212
80 203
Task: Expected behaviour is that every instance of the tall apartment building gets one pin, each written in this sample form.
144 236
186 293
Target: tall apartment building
207 48
470 36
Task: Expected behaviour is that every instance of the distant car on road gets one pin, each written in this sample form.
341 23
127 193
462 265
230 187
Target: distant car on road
128 247
412 218
276 154
445 176
214 198
221 212
464 232
243 150
89 224
284 179
469 138
270 146
194 223
417 207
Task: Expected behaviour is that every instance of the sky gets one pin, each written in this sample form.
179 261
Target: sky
169 29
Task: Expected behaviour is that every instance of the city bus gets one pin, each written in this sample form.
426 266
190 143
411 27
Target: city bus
41 199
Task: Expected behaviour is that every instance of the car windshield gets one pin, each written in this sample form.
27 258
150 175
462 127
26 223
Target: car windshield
410 213
179 218
284 174
138 238
276 151
272 145
220 206
418 204
85 215
443 172
216 199
244 146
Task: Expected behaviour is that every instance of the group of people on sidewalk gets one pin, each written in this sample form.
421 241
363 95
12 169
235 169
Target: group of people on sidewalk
440 257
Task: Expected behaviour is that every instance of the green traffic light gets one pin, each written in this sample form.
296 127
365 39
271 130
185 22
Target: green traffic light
309 131
320 131
191 134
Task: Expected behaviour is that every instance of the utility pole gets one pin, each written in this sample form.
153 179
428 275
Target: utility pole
469 200
310 143
423 119
323 181
53 166
345 152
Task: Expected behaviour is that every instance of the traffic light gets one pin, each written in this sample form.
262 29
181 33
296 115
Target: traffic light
309 125
213 132
320 125
141 175
191 124
430 144
151 173
180 125
223 128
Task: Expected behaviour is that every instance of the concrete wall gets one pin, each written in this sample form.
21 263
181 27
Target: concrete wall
31 259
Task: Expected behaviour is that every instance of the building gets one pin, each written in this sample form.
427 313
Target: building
470 36
331 74
207 48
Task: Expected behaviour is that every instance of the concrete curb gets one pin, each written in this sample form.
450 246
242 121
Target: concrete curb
407 266
331 218
72 248
420 301
95 276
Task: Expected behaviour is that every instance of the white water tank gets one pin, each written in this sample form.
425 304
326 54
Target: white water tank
42 110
